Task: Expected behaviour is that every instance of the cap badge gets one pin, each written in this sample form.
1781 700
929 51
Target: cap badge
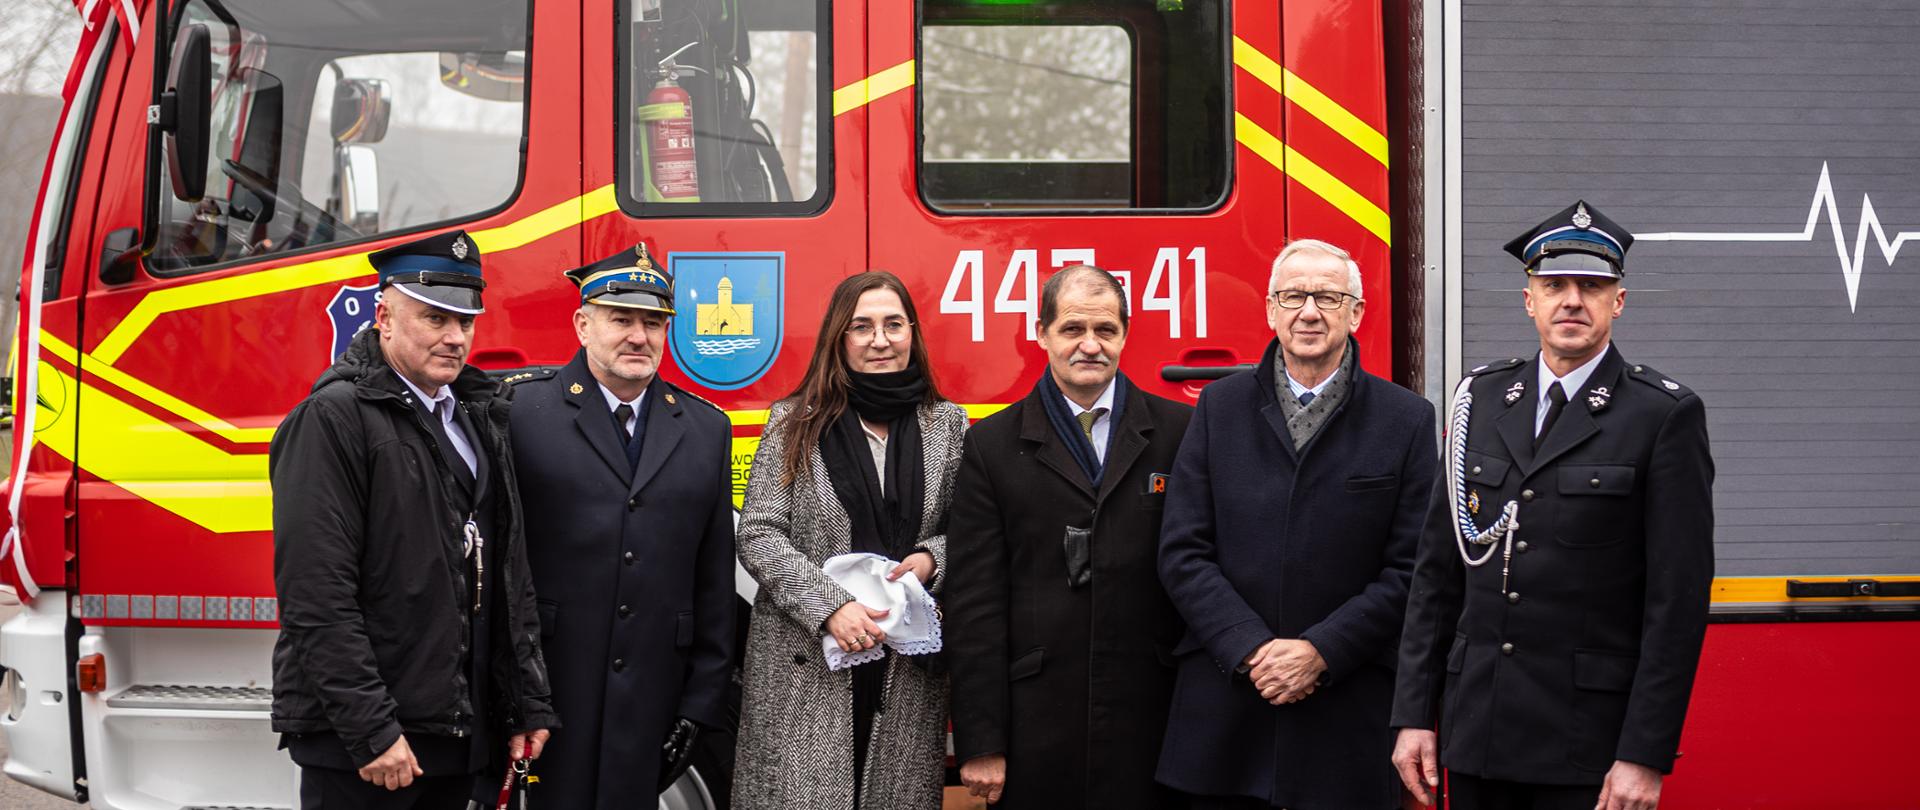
1581 219
1598 399
1514 392
1671 385
575 388
460 248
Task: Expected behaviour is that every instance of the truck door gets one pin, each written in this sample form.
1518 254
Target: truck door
1147 138
765 210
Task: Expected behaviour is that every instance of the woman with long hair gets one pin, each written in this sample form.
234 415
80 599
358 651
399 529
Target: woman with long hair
859 459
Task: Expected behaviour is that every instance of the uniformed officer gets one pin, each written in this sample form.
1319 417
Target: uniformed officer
407 662
1560 593
628 489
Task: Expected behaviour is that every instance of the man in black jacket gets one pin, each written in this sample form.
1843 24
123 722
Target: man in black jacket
1560 596
1057 629
628 486
409 644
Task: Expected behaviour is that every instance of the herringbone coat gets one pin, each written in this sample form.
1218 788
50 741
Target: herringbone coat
796 729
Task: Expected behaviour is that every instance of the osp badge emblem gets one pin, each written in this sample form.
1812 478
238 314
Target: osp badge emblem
731 315
351 310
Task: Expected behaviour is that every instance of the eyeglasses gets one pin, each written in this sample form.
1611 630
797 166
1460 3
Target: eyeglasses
1327 299
894 329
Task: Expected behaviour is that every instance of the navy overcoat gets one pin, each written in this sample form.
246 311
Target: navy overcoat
1260 542
633 570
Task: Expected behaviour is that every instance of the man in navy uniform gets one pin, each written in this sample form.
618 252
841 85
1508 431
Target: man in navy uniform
628 486
1560 593
408 648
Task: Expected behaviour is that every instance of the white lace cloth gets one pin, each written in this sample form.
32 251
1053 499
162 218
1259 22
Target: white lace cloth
912 625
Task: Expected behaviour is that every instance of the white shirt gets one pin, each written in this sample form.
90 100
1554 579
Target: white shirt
1571 384
1102 425
877 445
614 403
444 405
1294 385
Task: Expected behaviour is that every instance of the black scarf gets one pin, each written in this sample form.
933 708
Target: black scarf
1068 428
886 520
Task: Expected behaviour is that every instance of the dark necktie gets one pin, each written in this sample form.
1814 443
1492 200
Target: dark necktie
1556 402
1306 399
621 414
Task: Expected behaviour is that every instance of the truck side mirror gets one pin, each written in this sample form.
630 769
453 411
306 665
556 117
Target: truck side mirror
361 108
359 171
185 113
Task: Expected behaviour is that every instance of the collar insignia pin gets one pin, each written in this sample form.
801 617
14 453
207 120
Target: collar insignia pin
1514 392
575 388
1599 398
669 399
1581 219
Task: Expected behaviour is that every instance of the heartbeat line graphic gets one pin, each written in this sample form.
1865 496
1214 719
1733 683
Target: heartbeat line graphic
1823 199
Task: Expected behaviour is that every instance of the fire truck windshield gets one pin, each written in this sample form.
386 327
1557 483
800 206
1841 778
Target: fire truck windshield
334 120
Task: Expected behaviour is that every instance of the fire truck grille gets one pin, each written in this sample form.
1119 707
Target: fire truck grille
201 698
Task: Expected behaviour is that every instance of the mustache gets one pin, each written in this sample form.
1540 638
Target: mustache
1102 359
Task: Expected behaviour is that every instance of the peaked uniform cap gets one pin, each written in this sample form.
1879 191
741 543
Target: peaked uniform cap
442 270
1577 241
626 279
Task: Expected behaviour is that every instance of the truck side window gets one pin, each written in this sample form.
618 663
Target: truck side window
1082 106
723 107
333 122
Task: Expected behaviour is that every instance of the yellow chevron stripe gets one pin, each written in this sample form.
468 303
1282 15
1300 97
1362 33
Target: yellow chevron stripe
139 388
161 464
1316 179
1309 98
873 88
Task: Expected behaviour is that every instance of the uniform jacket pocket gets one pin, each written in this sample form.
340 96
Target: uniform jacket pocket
683 629
1596 479
1370 483
549 617
1026 666
1486 470
1457 657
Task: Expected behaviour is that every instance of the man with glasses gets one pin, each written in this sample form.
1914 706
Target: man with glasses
1296 500
1560 599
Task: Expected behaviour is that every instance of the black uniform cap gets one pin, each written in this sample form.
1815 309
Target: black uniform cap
626 279
1578 241
442 270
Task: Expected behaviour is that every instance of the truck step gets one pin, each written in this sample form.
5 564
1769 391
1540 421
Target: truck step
194 698
234 807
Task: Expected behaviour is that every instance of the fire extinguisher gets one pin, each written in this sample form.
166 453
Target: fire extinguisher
671 173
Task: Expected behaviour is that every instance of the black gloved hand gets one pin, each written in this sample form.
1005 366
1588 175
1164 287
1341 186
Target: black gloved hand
677 752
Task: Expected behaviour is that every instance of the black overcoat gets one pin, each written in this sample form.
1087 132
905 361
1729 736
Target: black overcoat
1071 684
1587 654
634 576
1261 541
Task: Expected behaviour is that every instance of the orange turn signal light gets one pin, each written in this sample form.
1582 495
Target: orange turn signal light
91 672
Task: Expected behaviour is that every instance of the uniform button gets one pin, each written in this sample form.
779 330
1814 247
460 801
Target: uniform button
1526 495
620 664
1476 469
627 558
625 611
1595 483
799 659
1513 598
632 504
1520 547
1505 649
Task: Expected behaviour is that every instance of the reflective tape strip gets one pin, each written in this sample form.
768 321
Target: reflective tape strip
873 88
1310 100
1316 179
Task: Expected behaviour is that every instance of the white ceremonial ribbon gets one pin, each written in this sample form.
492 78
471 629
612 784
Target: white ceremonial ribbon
912 624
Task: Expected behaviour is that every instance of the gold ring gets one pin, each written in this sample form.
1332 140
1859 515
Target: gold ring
864 638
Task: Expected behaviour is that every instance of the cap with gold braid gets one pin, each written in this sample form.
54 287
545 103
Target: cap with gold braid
626 279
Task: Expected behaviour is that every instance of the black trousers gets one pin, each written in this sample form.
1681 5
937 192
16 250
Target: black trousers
331 789
1469 792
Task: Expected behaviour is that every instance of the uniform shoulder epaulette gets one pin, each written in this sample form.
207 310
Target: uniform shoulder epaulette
700 399
529 375
1662 382
1497 365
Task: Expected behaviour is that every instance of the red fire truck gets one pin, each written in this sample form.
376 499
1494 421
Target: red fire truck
223 168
